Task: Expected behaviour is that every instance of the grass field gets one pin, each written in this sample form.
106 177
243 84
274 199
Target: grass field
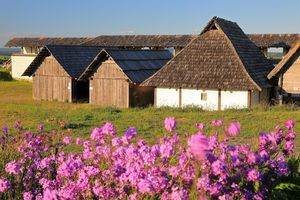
16 104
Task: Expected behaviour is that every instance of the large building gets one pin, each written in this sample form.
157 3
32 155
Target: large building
219 69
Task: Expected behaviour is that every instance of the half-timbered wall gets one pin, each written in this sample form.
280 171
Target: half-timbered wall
109 86
51 82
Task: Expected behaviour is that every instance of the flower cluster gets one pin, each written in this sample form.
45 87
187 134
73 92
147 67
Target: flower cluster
121 166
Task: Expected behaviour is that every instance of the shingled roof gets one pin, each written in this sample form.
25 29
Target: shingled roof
141 40
286 61
138 65
274 40
74 59
221 57
260 40
43 41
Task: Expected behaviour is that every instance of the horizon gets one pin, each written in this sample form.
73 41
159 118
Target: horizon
89 19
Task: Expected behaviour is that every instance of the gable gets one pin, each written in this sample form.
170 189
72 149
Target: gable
109 70
50 67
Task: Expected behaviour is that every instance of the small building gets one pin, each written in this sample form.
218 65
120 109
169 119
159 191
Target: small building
55 72
286 75
219 69
30 47
115 76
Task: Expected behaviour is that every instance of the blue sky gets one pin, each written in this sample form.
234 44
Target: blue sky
24 18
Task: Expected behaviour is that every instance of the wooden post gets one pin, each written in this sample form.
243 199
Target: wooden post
219 100
280 83
249 98
155 96
180 97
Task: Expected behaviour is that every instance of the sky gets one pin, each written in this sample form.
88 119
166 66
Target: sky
75 18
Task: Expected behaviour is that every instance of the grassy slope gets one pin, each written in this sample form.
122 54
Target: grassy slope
16 104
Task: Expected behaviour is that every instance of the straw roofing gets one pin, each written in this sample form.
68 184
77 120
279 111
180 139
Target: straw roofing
221 57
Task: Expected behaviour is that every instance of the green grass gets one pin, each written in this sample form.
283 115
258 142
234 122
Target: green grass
16 104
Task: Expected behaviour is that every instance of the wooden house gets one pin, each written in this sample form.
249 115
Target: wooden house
286 75
115 76
56 69
219 69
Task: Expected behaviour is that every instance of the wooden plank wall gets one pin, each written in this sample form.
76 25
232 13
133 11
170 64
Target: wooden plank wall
51 82
291 78
109 86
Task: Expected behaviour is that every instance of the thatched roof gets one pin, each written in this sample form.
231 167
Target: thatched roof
137 65
286 61
221 57
274 40
43 41
74 59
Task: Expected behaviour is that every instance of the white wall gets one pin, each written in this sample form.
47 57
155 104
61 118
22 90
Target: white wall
167 97
29 50
234 99
19 64
192 97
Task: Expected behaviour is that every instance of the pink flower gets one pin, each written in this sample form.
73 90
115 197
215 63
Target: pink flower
4 184
199 146
67 140
233 129
27 196
108 129
253 175
201 126
170 124
13 167
79 141
96 134
289 124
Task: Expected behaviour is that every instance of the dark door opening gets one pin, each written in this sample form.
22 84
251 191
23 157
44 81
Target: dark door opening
81 92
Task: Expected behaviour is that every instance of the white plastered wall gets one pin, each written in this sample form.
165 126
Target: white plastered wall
234 99
167 97
19 64
192 97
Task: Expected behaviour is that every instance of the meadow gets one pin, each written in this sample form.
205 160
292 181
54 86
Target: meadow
79 161
16 103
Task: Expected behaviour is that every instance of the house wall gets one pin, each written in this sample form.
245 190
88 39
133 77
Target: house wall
234 99
207 99
19 63
109 86
30 50
192 97
291 78
51 82
166 97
